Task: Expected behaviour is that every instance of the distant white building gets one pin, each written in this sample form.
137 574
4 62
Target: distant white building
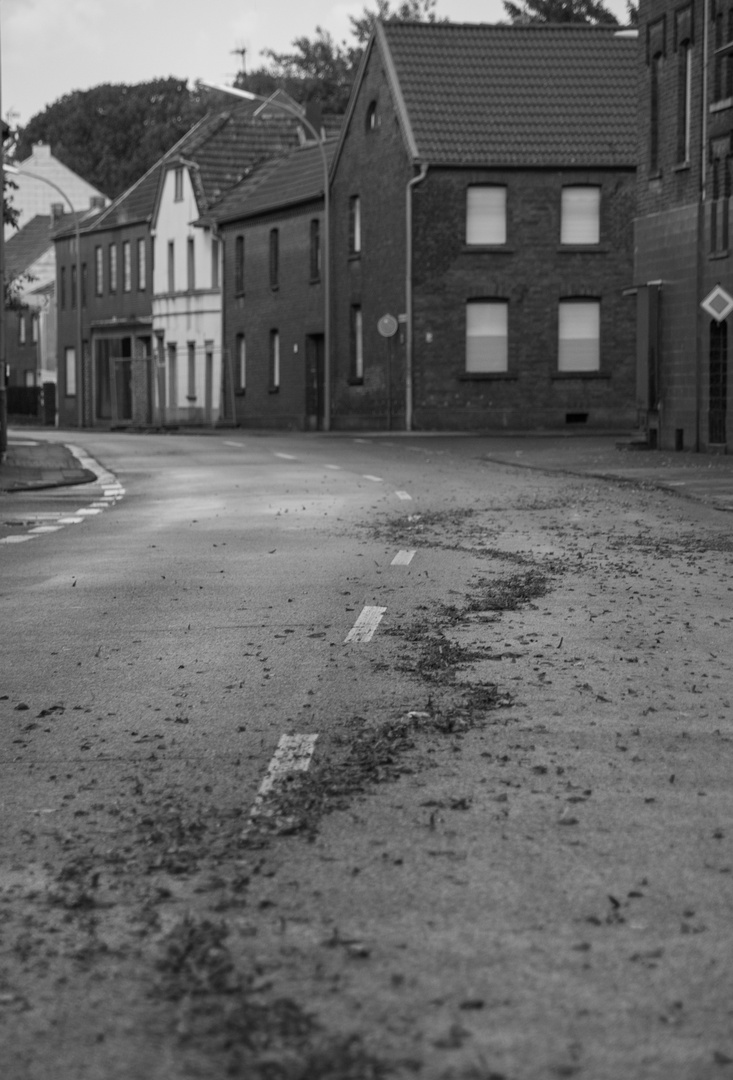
33 197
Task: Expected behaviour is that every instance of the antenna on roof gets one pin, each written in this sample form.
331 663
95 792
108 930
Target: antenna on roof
241 52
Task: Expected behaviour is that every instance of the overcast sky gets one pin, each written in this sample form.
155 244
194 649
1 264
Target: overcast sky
51 47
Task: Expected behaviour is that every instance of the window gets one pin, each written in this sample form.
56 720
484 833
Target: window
579 323
70 371
112 260
98 271
721 192
357 344
486 214
171 266
178 185
73 286
126 266
487 351
142 282
192 371
83 284
354 225
62 288
190 264
580 215
274 258
214 263
241 362
172 376
274 360
34 328
315 250
683 45
372 120
21 328
656 33
239 266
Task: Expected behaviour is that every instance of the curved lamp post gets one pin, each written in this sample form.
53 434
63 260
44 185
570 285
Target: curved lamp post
79 361
298 115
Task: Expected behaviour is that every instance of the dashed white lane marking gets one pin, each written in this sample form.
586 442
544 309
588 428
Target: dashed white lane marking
16 539
230 442
364 627
376 479
293 754
46 528
70 520
404 495
332 466
402 558
286 457
88 511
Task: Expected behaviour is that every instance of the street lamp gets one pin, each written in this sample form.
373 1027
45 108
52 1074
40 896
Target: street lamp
79 364
295 112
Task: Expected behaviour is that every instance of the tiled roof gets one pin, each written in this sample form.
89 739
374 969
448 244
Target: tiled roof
223 147
27 244
287 180
516 95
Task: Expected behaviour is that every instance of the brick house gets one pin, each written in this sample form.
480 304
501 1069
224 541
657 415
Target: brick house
682 232
483 193
271 227
132 309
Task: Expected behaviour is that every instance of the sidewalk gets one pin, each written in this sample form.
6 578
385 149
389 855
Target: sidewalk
32 464
707 478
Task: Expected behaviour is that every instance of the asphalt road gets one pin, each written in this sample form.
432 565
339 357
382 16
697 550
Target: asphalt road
336 758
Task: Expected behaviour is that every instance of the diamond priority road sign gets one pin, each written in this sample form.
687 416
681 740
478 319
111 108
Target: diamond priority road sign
718 303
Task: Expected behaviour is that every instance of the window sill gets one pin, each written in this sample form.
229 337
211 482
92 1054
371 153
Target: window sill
354 256
274 390
488 376
719 254
720 106
239 296
655 175
239 393
356 381
487 249
583 249
274 288
684 166
315 281
562 376
190 397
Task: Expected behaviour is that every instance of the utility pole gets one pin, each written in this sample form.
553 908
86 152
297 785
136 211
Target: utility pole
3 364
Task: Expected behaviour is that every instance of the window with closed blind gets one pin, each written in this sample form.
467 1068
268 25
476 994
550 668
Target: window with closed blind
486 214
487 323
580 215
579 334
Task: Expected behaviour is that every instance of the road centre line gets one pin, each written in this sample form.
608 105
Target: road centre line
404 495
376 479
403 558
365 626
293 754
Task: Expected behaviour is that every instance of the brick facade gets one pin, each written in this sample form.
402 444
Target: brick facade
682 195
531 271
293 308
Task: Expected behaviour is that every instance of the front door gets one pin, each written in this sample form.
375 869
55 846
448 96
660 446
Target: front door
718 397
314 355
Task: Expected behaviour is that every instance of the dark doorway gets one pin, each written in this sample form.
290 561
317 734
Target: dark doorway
314 356
718 395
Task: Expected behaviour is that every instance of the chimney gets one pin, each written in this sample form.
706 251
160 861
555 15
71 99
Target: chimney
314 116
97 202
57 212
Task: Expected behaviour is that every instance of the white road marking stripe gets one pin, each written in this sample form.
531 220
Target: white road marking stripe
403 495
332 466
286 457
364 627
402 558
230 442
46 528
70 520
87 510
16 539
293 754
376 479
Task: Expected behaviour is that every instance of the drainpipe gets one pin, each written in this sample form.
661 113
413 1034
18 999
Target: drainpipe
409 336
701 219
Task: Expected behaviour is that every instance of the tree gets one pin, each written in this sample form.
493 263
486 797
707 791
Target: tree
560 11
323 70
112 134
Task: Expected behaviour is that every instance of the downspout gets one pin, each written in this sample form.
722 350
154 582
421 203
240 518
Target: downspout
409 336
701 218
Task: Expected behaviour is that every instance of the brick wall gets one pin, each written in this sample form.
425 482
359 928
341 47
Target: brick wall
374 165
294 309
